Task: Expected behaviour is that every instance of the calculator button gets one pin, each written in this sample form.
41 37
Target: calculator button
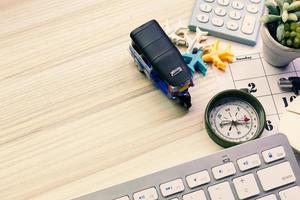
172 187
232 25
224 170
217 21
246 186
252 9
205 8
149 194
274 154
202 18
223 2
235 15
221 191
220 11
276 176
255 1
249 162
209 1
123 198
290 194
198 179
237 5
248 24
198 195
269 197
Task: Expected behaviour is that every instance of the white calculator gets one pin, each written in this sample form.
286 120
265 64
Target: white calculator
236 20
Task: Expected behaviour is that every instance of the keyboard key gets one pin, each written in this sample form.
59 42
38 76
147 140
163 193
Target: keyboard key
206 8
198 195
237 5
235 15
123 198
232 25
290 194
249 162
172 187
220 11
223 2
269 197
248 24
221 191
252 8
224 170
217 21
198 179
246 186
148 194
202 18
276 176
274 154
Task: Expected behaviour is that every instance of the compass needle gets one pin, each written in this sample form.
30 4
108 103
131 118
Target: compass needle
235 125
230 127
224 122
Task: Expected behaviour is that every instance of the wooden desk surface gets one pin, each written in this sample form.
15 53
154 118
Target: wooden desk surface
76 116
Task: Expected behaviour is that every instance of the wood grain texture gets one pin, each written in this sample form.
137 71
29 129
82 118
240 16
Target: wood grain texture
76 116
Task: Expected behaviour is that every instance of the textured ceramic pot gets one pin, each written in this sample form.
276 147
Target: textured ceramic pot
275 53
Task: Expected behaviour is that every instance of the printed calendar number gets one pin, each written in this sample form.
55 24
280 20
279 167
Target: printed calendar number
252 87
269 126
287 100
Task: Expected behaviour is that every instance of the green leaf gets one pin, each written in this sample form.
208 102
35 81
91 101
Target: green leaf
295 6
280 32
270 18
272 8
285 16
293 17
280 4
298 14
285 13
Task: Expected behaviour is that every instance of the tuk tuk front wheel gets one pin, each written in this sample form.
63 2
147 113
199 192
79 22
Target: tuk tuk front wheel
185 100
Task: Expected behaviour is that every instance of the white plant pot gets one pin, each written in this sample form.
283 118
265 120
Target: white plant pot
275 53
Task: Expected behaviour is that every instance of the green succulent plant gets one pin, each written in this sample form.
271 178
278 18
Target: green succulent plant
284 17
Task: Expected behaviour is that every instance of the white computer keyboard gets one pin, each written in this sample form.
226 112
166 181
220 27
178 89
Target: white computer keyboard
264 169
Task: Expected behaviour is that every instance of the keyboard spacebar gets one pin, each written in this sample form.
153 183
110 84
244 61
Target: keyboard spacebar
276 176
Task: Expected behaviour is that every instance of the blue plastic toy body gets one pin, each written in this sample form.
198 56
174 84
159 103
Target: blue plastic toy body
177 94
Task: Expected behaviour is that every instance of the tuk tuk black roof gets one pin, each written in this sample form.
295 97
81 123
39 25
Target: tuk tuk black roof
158 49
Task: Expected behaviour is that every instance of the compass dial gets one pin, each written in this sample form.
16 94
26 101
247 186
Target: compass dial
234 120
233 117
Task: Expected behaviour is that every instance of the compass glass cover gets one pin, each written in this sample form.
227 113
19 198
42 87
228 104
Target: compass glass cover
234 120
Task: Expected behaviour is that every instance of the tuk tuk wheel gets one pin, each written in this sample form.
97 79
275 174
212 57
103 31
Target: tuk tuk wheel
185 101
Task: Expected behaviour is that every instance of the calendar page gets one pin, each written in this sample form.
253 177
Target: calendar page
253 72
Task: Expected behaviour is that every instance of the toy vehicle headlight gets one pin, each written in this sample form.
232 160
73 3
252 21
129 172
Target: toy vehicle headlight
173 89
